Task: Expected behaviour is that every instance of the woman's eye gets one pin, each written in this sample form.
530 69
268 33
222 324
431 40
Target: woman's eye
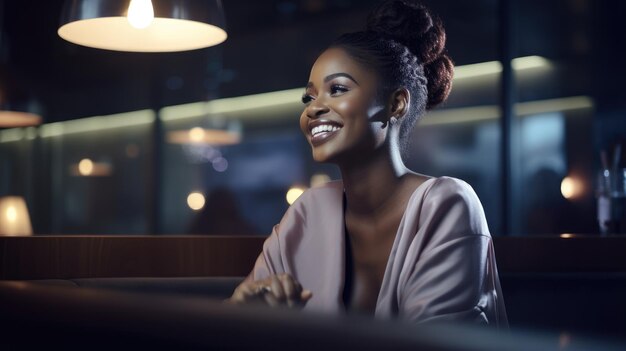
306 99
337 89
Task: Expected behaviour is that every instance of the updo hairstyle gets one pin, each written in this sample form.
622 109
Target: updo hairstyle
405 45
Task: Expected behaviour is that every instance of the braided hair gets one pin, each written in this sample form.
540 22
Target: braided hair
405 44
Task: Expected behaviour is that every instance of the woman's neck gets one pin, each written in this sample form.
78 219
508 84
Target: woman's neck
371 184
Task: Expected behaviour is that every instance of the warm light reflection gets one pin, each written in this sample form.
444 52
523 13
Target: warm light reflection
571 187
293 194
196 201
88 168
140 13
10 119
85 167
566 236
196 135
199 135
319 179
11 214
132 150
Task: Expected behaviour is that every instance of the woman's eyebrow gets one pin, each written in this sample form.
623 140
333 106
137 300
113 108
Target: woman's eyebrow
340 74
332 76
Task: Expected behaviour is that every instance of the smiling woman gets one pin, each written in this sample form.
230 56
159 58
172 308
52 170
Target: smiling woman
384 240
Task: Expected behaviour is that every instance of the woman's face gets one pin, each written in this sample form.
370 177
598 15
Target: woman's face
343 118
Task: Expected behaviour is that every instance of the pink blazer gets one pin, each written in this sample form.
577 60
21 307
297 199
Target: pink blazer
441 267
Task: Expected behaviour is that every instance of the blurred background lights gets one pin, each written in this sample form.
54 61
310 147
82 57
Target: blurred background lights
220 164
294 193
196 201
196 135
88 168
571 187
85 167
132 150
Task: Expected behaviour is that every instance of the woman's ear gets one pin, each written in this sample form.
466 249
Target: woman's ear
399 104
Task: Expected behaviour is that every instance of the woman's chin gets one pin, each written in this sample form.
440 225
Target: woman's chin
321 156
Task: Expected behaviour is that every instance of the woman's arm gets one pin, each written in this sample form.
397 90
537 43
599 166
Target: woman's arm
454 276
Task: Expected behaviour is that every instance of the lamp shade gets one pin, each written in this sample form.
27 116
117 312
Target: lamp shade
143 25
14 218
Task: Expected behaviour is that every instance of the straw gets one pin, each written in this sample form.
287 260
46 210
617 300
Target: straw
617 155
605 161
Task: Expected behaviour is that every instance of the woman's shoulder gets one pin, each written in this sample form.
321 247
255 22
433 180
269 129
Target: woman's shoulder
449 188
330 191
318 201
451 201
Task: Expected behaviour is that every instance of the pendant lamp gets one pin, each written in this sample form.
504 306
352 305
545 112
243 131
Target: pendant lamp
143 25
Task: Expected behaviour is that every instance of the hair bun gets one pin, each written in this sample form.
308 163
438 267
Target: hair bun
411 24
439 74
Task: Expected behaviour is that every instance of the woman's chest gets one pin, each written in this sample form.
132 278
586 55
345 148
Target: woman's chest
367 257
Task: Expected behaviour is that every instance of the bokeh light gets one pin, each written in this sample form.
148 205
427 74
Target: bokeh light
196 201
294 193
85 167
196 135
571 187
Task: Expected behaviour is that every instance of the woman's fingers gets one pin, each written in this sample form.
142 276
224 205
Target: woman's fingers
291 288
306 295
277 290
244 293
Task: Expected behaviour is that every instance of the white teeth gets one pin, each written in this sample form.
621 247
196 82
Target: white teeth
324 128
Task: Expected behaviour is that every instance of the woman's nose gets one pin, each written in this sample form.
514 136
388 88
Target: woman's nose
316 109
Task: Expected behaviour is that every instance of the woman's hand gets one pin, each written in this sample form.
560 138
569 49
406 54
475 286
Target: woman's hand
275 291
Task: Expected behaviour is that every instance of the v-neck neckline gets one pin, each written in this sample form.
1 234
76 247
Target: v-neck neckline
344 243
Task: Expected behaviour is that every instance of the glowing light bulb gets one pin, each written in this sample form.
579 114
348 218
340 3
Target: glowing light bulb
85 167
196 201
140 13
11 214
196 135
571 187
293 194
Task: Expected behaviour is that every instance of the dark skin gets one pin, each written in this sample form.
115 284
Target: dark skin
342 96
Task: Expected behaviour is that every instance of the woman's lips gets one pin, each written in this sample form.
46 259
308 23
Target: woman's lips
322 133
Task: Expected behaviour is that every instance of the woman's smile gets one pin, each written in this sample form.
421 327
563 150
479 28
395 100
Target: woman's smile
321 131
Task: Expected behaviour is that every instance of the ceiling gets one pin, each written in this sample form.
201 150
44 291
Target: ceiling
271 45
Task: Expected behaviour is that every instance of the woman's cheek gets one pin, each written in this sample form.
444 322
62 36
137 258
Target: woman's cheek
304 124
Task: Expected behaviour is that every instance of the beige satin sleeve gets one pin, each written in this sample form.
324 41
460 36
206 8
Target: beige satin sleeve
454 276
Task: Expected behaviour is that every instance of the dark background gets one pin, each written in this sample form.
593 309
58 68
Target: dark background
271 46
